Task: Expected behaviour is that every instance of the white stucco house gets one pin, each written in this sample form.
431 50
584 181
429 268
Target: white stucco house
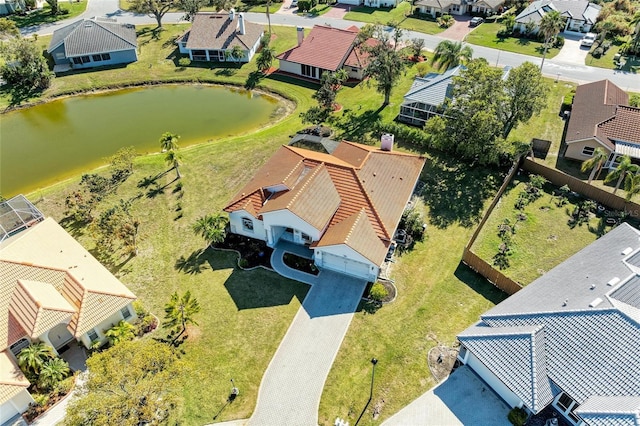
344 206
371 3
570 339
580 15
52 290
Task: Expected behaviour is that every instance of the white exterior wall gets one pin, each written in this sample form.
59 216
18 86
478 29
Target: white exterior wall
292 67
354 72
286 219
349 255
235 223
182 47
351 2
500 388
16 405
254 48
105 325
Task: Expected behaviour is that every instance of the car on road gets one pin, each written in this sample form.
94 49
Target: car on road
476 21
588 40
294 3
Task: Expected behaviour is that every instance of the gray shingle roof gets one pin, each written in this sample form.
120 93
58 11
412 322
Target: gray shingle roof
574 9
586 351
218 31
432 89
91 36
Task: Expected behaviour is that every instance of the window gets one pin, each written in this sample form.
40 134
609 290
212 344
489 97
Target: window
306 238
247 224
126 313
77 61
309 71
93 336
588 150
463 352
96 58
85 59
19 346
565 401
106 56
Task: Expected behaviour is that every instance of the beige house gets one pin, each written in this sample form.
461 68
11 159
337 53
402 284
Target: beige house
54 291
601 117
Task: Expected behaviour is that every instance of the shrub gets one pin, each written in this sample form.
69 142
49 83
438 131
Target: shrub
378 292
184 62
517 416
597 52
403 133
445 21
558 42
64 386
41 399
605 46
413 223
243 263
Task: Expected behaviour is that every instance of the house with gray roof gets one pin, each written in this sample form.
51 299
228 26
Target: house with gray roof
213 36
92 43
570 339
580 15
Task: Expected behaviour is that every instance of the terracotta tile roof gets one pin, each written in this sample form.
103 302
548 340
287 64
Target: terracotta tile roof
368 181
359 56
593 103
38 307
356 232
217 31
624 126
12 381
315 184
325 47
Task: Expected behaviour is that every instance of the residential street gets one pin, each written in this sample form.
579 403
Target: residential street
554 68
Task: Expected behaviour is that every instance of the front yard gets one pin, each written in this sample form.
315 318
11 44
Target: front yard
44 16
631 64
486 35
400 15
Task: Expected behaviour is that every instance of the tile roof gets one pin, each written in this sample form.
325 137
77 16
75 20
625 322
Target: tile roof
493 4
624 126
611 411
218 31
441 4
324 47
366 179
359 56
594 103
89 36
591 339
12 381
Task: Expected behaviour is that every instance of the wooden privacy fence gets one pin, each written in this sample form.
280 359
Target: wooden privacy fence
601 196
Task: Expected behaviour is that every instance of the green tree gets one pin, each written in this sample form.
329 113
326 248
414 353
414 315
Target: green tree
169 141
133 383
191 8
235 54
8 29
33 357
121 332
265 58
385 66
509 22
155 8
631 185
180 312
527 94
53 4
417 44
24 68
211 228
449 54
52 372
595 163
605 27
619 173
174 160
330 84
550 25
223 4
122 163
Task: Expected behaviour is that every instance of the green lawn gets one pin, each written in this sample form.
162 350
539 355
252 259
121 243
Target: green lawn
43 16
486 35
631 64
400 14
317 10
542 241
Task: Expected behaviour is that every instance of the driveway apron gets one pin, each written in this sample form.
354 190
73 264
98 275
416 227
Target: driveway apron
292 385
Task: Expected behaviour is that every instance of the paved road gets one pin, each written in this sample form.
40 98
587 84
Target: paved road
291 388
556 68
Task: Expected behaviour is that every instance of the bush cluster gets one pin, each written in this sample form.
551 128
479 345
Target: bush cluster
145 322
378 292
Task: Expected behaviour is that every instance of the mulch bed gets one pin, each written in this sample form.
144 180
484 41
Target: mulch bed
252 252
391 291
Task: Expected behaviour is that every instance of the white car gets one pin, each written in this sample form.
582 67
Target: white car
588 40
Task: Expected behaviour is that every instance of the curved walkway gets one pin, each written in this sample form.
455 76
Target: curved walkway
291 387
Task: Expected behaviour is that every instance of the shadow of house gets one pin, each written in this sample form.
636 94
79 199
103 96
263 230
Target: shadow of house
260 288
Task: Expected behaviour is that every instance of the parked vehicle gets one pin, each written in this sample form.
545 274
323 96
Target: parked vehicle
588 40
476 21
294 3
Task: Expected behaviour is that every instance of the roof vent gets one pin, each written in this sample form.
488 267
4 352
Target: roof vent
595 303
592 286
565 302
627 251
613 281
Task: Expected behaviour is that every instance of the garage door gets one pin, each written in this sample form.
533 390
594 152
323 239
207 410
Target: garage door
7 411
345 265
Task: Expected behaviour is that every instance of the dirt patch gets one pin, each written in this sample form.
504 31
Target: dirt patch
442 361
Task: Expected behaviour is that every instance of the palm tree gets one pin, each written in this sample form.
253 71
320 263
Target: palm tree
265 58
211 228
169 141
33 357
173 160
595 162
121 332
179 312
631 185
550 25
620 172
52 372
449 54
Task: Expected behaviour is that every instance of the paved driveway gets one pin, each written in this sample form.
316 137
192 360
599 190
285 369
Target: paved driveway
292 385
459 30
462 399
571 52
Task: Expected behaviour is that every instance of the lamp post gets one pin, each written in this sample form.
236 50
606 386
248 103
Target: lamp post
234 390
374 361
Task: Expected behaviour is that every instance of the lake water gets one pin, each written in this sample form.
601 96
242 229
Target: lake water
47 143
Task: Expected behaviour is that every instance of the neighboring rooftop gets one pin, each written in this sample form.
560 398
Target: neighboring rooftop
574 9
16 215
222 31
433 88
95 35
324 47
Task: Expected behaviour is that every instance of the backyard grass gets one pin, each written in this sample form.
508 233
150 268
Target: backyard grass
486 35
44 16
543 240
400 14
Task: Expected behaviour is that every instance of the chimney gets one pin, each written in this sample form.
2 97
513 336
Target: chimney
241 23
300 32
386 141
232 14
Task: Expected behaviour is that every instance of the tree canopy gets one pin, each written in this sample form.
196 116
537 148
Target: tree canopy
449 54
155 8
24 67
385 65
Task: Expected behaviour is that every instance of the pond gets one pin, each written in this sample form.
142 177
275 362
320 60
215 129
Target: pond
51 142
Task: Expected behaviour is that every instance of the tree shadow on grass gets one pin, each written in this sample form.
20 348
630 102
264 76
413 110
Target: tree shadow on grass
456 192
195 263
253 79
352 125
259 288
479 284
18 95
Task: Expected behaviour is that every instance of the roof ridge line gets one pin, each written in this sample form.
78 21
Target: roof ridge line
109 30
305 182
33 265
353 226
373 207
563 312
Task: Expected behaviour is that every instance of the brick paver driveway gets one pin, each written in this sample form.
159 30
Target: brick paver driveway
292 385
459 30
